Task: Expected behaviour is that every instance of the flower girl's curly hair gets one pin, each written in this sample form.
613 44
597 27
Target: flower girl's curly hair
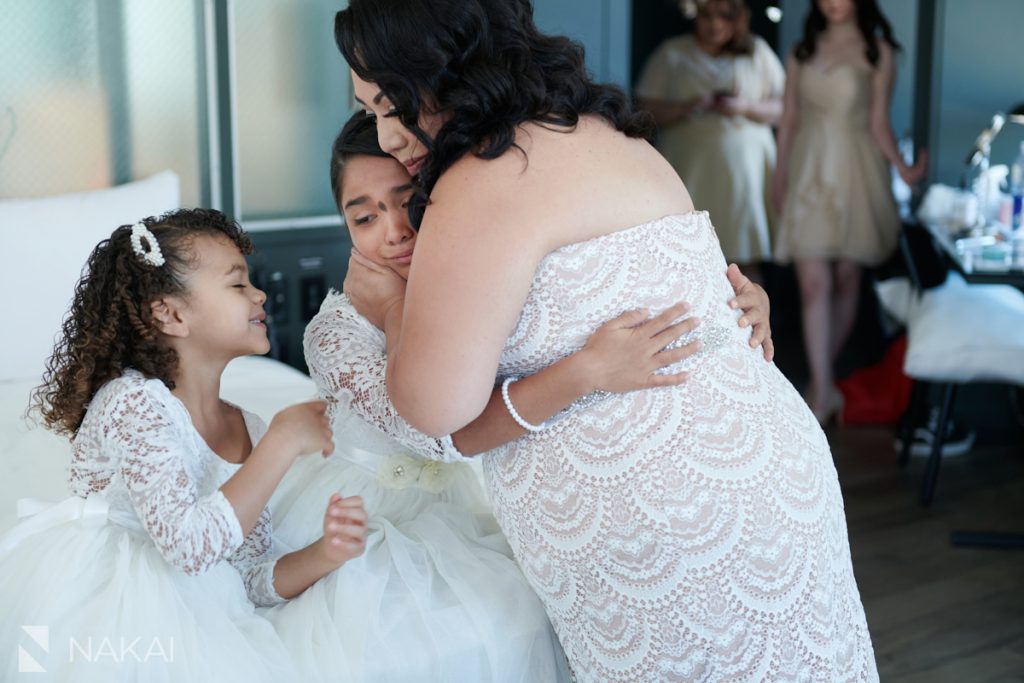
109 326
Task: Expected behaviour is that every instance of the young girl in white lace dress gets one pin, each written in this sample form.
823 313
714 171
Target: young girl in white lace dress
437 596
149 571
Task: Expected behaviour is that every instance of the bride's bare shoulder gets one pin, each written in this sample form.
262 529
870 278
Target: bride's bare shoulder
569 176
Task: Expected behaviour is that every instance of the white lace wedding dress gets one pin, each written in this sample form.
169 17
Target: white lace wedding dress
143 574
437 597
693 533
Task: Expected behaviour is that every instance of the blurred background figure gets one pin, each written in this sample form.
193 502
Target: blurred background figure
715 95
833 186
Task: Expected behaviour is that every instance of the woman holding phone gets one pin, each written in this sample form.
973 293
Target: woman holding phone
715 95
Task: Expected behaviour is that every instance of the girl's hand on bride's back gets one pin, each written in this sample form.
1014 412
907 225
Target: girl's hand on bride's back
373 289
626 352
753 301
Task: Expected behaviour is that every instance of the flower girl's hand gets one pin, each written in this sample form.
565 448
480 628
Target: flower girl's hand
344 529
307 427
373 289
624 353
753 301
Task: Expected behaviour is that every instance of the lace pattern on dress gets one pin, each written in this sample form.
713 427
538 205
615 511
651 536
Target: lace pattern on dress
256 558
347 359
137 446
691 533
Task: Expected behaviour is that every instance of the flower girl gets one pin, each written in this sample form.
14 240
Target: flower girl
149 571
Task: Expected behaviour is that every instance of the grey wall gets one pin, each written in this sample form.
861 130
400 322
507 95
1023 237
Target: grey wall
980 71
603 26
902 14
792 24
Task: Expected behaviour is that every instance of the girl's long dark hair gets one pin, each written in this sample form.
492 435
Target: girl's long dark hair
358 137
109 327
482 63
870 20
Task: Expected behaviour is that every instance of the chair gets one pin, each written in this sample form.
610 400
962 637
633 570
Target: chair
956 333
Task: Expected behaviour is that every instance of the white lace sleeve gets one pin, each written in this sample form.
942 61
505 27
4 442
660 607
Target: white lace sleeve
347 359
258 555
255 561
192 532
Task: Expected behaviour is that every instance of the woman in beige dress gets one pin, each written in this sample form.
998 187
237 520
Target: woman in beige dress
833 185
715 95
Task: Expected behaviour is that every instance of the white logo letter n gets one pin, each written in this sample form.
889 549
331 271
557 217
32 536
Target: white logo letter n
41 636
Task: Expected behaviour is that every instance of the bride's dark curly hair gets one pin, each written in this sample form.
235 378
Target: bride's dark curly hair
870 20
109 326
484 65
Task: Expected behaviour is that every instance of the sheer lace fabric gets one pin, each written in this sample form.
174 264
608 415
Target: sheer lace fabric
346 359
137 447
437 596
693 533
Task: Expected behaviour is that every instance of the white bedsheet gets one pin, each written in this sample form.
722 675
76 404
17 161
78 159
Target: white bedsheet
33 461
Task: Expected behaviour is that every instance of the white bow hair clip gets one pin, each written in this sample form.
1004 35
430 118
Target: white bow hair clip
150 253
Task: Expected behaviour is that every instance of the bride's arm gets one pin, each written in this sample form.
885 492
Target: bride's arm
607 362
482 238
623 355
488 226
346 359
467 284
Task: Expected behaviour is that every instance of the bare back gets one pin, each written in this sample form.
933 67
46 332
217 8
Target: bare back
594 180
488 225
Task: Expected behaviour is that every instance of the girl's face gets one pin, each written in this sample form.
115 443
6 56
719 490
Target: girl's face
223 312
838 11
716 24
395 138
375 194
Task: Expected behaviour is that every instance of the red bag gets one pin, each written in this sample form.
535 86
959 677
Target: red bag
878 394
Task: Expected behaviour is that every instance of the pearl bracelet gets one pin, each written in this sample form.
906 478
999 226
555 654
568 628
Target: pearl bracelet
512 411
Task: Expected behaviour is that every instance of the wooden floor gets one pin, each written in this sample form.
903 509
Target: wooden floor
936 612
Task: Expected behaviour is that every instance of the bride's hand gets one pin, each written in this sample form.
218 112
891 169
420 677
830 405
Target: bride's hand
372 288
753 301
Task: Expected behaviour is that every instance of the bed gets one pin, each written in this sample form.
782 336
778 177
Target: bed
34 461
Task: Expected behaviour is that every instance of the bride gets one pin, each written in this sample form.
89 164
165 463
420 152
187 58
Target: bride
437 595
691 532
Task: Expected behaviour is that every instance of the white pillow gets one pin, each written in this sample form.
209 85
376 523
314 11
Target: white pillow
896 295
44 244
264 386
961 332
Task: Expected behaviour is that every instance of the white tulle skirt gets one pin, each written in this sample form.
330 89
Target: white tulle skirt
91 600
437 596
